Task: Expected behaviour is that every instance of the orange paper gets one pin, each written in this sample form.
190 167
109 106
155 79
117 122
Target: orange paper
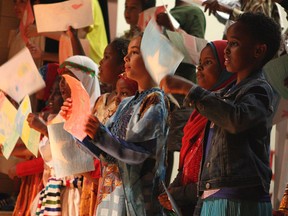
75 125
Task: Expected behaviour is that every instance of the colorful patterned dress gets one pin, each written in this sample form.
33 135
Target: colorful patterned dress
136 142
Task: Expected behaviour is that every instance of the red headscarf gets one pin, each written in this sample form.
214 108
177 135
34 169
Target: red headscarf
191 150
49 73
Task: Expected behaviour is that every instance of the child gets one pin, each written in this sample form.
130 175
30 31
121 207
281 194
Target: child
211 75
132 10
135 137
111 66
125 87
235 174
85 70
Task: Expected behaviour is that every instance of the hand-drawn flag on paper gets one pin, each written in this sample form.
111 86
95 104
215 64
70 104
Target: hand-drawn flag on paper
276 71
160 56
8 133
68 157
75 125
29 136
147 15
281 113
20 76
27 19
59 16
189 45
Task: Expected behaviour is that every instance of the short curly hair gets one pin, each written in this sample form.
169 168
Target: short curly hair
121 46
263 29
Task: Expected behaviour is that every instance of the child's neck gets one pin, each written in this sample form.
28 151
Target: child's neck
246 73
144 87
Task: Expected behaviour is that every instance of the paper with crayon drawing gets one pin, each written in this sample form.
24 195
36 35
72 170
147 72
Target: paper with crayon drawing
80 109
189 45
8 134
68 158
59 16
20 76
146 15
161 58
276 71
281 112
29 136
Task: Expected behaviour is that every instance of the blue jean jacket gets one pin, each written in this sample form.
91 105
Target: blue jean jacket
242 117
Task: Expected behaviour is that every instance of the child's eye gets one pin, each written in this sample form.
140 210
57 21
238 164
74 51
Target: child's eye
206 63
124 94
232 43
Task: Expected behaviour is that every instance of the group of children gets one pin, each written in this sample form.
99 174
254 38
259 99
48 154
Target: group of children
224 157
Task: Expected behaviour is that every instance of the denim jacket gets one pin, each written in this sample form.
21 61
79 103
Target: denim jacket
242 118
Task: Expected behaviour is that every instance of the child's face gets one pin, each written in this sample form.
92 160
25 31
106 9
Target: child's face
132 10
240 50
134 64
208 69
55 100
109 66
123 90
19 7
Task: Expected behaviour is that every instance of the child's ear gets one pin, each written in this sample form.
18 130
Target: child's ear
260 50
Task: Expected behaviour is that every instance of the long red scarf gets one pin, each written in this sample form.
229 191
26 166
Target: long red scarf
191 150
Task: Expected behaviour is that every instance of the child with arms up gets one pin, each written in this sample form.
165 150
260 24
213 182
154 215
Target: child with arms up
235 174
135 137
211 75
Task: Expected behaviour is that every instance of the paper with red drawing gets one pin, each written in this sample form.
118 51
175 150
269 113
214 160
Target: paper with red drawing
146 15
75 125
59 16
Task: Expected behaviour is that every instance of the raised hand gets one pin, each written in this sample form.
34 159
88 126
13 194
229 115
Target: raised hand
163 20
92 126
213 6
31 31
37 123
164 201
66 109
35 51
175 85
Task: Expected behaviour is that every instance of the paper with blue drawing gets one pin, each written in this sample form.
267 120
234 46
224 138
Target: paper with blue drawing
161 58
13 125
59 16
20 76
29 136
8 134
68 158
75 125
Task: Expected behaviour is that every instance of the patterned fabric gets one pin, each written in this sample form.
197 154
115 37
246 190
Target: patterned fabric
110 184
50 197
102 109
110 199
139 126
